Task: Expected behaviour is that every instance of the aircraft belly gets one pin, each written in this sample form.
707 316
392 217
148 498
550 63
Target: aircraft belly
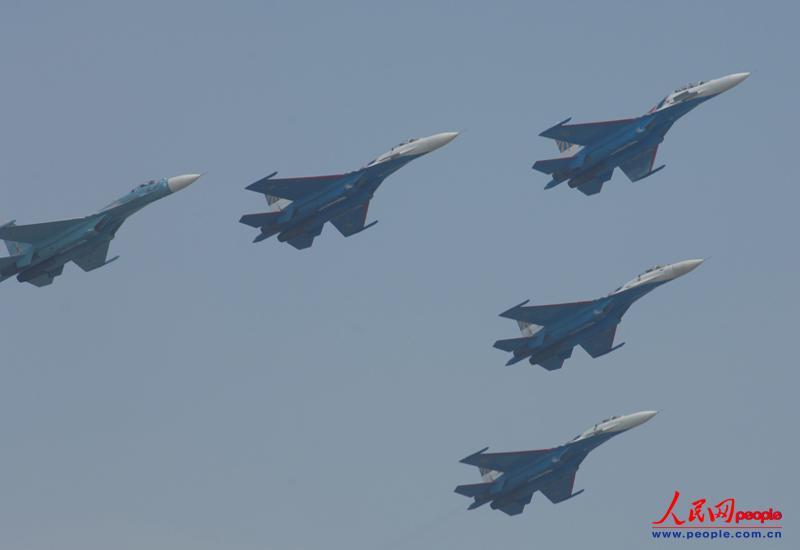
315 217
51 262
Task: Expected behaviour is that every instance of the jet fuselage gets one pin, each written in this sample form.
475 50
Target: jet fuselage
551 471
580 323
70 240
302 206
630 144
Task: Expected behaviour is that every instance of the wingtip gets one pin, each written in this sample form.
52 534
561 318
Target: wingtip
474 454
253 186
542 134
509 310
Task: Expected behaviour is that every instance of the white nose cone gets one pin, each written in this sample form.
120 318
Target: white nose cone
632 420
724 84
682 268
176 183
643 416
734 79
431 143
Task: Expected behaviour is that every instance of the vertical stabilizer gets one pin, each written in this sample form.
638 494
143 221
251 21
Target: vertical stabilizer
528 329
489 475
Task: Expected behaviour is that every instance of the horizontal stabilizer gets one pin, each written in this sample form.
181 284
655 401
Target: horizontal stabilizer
553 182
513 344
261 220
554 166
474 489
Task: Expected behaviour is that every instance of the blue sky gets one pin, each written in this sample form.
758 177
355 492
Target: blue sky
205 392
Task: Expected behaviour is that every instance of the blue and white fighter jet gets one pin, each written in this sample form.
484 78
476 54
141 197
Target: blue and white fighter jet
511 479
39 251
301 206
591 151
551 332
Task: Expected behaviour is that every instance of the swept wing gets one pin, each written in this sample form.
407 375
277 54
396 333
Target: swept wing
38 232
544 315
587 133
503 462
297 188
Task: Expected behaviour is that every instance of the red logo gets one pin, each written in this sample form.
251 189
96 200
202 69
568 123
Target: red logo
724 512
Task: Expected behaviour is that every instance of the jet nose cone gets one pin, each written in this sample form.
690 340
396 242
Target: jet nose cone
176 183
431 143
639 418
447 137
647 415
440 140
682 268
735 79
727 82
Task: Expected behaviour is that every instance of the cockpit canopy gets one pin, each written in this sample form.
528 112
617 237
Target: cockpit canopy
391 152
143 185
654 268
412 140
594 428
639 277
678 95
690 85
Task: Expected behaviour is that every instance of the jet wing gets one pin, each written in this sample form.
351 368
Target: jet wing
641 165
38 232
599 343
502 462
544 315
560 489
305 240
296 188
95 257
353 221
585 134
515 507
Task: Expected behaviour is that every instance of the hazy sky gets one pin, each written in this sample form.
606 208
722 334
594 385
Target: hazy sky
204 392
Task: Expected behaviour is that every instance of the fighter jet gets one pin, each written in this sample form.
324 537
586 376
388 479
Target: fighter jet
591 151
341 199
549 333
39 251
510 479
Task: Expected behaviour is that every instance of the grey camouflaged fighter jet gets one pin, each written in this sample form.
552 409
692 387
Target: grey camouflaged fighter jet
302 206
510 479
551 332
39 251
